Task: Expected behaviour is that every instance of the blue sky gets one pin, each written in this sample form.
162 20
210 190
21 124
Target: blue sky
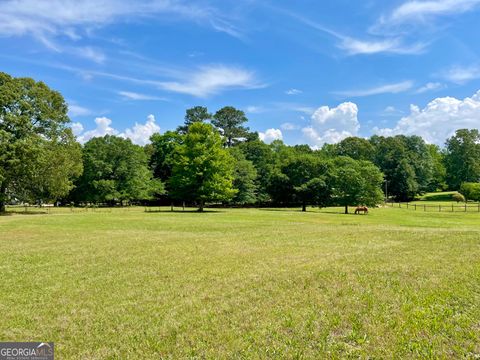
304 71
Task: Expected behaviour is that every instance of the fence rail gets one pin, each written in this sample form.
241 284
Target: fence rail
466 207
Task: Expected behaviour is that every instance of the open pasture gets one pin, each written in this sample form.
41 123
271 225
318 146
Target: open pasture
264 283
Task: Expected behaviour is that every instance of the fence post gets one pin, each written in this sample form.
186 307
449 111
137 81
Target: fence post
415 207
424 207
465 207
452 207
407 205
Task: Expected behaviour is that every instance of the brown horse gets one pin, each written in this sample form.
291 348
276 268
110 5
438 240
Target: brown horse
360 209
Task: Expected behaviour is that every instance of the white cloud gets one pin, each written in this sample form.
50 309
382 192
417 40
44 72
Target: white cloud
293 92
210 80
423 10
288 126
331 125
77 128
392 45
140 134
439 119
384 89
461 75
270 135
89 53
75 110
431 86
130 95
355 46
252 109
103 128
47 19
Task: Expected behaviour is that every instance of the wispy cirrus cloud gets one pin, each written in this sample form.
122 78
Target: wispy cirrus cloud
411 11
212 79
130 95
394 88
356 46
49 20
461 74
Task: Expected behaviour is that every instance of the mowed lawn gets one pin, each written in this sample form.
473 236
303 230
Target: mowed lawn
246 283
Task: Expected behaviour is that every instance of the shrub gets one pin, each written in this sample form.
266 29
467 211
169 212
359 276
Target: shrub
471 191
458 197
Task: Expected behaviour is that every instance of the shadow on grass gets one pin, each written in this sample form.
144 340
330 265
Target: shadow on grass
10 213
183 211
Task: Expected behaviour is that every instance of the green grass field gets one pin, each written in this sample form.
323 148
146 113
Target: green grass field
247 283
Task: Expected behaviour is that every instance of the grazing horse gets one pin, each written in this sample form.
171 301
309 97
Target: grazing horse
360 209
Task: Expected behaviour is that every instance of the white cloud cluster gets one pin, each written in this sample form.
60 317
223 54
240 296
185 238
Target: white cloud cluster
103 128
270 135
439 119
139 134
331 125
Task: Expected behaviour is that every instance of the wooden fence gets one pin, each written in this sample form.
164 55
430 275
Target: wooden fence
459 207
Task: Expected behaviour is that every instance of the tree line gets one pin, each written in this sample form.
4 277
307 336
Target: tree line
213 158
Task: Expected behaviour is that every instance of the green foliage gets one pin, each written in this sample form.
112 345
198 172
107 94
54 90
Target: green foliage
115 170
458 197
471 191
161 151
39 156
406 162
462 158
244 180
202 169
230 123
439 172
193 115
264 160
356 148
301 179
356 183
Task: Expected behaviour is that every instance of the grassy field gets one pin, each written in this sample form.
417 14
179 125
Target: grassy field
256 283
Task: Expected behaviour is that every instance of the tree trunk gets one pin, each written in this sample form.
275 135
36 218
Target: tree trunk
200 206
346 209
304 206
3 196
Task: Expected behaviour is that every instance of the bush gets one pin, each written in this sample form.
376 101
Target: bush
471 191
458 197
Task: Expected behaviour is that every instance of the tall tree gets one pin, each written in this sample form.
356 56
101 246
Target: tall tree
462 158
393 158
230 123
160 151
356 148
115 170
439 172
193 115
305 181
203 169
356 183
244 179
39 156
